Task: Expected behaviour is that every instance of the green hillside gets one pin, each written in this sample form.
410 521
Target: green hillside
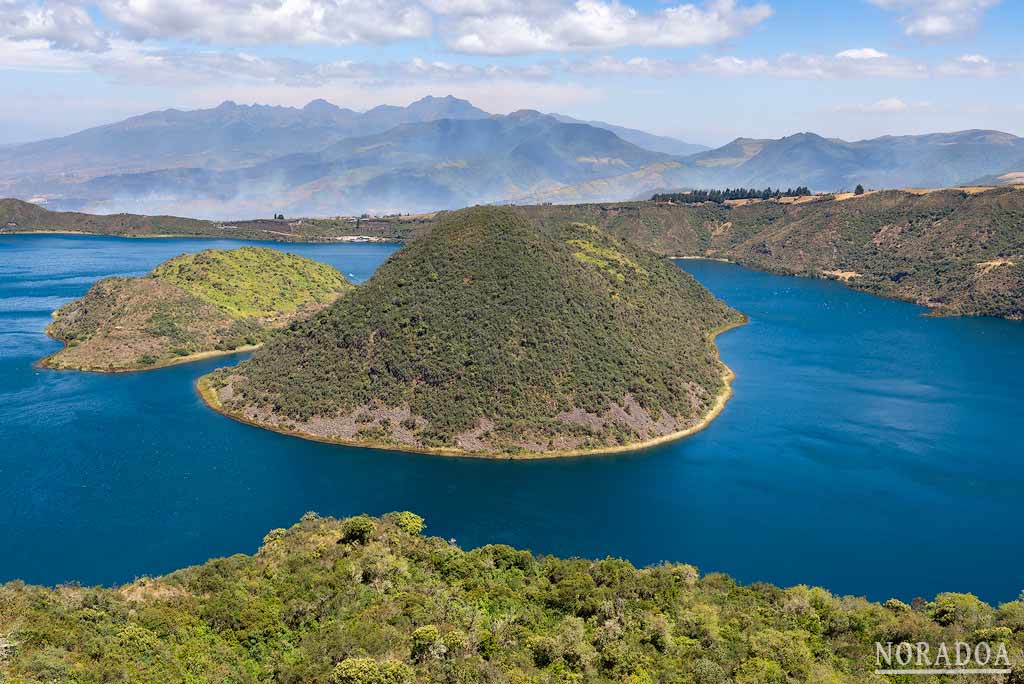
253 282
373 601
489 335
193 304
956 251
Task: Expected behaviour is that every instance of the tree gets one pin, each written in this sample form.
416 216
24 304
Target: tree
370 671
859 190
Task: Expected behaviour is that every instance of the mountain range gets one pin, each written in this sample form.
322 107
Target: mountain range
438 153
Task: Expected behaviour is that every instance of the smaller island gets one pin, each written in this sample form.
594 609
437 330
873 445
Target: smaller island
190 307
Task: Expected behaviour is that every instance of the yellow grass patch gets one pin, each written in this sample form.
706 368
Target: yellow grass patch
844 276
986 267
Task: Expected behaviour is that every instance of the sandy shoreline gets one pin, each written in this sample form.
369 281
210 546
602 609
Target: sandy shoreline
210 398
198 356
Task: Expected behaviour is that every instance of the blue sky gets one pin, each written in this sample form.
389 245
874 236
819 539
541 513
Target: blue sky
704 72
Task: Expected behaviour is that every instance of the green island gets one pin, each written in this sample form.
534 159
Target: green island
189 307
489 336
374 601
957 251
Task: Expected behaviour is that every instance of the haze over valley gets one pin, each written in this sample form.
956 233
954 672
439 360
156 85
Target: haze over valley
241 161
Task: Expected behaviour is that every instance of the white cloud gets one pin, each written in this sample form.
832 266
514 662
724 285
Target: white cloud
128 62
891 105
790 66
976 66
861 53
589 24
242 22
497 27
937 18
63 25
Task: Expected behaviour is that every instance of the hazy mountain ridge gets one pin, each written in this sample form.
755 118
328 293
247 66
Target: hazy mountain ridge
420 166
648 141
222 137
443 153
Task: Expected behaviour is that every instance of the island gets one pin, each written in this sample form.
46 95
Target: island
490 336
190 307
376 601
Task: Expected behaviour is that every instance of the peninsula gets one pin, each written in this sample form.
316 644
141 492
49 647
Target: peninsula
489 336
189 307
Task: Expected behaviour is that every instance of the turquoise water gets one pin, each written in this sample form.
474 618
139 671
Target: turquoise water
867 449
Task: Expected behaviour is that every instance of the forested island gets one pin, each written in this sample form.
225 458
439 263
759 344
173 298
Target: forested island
957 251
374 601
193 305
490 336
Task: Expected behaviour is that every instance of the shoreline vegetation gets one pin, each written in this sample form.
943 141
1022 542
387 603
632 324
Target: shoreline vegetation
191 307
46 363
956 251
374 600
209 396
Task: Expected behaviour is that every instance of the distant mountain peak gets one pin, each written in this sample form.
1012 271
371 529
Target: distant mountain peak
527 114
321 105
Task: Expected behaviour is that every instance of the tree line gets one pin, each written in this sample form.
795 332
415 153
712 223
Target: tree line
720 196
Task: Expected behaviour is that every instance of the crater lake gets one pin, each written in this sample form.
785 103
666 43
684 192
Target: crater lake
867 449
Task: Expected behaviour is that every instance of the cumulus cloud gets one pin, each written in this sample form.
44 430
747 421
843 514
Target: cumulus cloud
937 18
861 53
241 22
589 24
790 65
498 27
976 66
63 25
131 63
891 105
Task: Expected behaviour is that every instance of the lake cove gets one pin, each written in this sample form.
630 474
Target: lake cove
861 437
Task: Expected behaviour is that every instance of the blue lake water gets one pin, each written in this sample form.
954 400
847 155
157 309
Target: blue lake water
867 449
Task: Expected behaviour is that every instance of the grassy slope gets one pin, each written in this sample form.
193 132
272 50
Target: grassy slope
491 319
372 601
253 282
192 304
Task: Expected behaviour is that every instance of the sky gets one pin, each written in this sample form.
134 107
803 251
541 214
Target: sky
703 72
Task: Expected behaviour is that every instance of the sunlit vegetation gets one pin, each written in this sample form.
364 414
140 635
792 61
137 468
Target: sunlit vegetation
488 318
253 282
373 601
195 303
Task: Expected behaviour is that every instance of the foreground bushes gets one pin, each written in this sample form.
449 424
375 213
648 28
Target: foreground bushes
372 601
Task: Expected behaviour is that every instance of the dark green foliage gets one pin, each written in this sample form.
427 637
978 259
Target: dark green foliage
491 317
399 608
357 530
859 190
720 196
